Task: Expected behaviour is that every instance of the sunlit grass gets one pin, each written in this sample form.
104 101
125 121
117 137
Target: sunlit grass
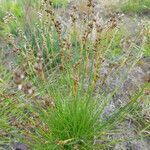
136 6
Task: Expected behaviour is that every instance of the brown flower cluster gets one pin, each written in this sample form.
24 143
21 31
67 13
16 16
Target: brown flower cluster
19 78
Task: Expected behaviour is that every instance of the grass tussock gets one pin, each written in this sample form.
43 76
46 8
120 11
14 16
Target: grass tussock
50 98
136 6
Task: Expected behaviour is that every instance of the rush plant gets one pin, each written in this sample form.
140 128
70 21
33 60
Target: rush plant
58 93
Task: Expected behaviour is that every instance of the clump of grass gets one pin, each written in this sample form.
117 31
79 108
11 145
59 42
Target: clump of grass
136 6
16 11
147 45
59 3
55 83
